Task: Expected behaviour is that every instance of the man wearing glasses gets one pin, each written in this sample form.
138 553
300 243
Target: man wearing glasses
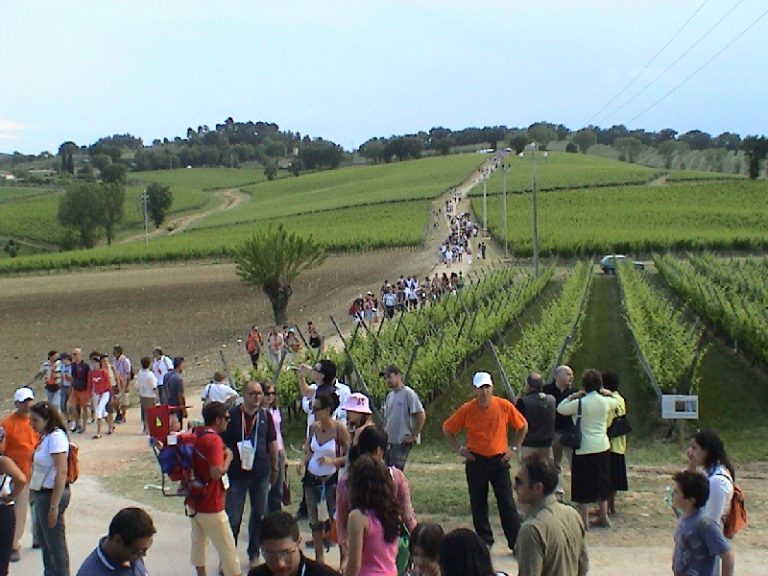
122 551
251 437
552 539
281 549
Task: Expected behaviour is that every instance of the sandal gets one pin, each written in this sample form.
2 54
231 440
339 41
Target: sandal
95 436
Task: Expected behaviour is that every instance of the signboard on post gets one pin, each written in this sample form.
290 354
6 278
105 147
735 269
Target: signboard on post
679 407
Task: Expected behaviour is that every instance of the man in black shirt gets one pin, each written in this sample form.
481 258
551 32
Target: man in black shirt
539 409
561 389
281 548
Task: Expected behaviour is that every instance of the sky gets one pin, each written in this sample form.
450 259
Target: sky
348 71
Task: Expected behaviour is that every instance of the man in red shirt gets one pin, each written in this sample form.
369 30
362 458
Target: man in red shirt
487 455
211 461
21 441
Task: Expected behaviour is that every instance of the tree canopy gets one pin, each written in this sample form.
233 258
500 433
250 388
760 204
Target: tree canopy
271 259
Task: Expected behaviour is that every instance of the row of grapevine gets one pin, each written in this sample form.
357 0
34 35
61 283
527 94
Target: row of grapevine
667 345
555 335
733 305
451 339
747 277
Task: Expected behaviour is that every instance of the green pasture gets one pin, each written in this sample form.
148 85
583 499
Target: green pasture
355 186
636 219
560 170
13 193
350 229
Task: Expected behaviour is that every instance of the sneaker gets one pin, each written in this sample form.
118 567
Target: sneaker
15 556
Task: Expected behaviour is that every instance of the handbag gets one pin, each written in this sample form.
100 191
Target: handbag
619 427
572 438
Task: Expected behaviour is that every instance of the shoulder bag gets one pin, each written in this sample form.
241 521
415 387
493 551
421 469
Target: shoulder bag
572 438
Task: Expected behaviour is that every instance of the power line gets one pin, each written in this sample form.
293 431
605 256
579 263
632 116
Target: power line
668 68
651 61
692 74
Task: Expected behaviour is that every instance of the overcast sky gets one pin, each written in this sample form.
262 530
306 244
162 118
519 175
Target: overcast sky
347 71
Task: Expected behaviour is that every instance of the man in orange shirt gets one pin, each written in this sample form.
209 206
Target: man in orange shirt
487 455
21 441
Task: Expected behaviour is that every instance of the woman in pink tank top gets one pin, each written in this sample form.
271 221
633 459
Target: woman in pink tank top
374 523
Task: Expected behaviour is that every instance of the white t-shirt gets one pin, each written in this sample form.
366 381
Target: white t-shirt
218 392
342 391
43 467
161 367
146 383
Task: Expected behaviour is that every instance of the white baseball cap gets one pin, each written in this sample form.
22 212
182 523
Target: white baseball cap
23 394
482 379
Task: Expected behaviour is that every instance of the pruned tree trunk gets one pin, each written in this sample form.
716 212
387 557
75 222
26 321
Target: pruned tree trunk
279 296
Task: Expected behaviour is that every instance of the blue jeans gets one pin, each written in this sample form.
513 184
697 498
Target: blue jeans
257 490
275 499
397 455
53 541
65 391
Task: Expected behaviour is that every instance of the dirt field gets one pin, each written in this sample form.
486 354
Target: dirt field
196 310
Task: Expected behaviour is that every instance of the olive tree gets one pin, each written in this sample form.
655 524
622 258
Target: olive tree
271 259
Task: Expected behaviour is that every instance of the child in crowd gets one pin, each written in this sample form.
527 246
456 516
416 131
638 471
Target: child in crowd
698 540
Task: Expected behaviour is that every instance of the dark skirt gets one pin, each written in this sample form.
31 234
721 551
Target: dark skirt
618 473
591 477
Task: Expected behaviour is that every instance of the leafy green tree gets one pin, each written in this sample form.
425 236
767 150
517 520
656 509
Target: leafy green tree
101 162
518 141
113 194
270 170
373 149
82 208
571 148
159 201
115 173
296 166
669 148
755 149
444 146
584 138
629 147
541 133
67 152
272 259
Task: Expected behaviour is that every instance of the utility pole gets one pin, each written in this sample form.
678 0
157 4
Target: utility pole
535 212
485 208
145 205
504 170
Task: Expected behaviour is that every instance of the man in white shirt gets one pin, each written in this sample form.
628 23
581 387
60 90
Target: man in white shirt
219 391
161 365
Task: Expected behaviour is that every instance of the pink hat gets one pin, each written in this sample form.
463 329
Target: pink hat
357 403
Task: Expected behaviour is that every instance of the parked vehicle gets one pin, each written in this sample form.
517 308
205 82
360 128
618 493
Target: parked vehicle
608 263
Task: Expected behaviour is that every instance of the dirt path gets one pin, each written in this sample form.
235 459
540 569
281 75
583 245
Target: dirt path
231 199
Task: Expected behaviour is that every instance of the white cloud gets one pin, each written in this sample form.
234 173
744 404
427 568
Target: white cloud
9 129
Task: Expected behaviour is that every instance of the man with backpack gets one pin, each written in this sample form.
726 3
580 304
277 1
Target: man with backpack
253 342
211 461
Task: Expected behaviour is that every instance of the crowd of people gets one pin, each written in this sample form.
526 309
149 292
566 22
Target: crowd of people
283 345
354 485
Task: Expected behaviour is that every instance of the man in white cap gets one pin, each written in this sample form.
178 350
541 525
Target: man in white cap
21 441
487 455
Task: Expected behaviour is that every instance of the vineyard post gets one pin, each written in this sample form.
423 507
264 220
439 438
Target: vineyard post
411 361
226 369
399 321
301 335
507 387
381 324
376 344
471 325
354 334
278 369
